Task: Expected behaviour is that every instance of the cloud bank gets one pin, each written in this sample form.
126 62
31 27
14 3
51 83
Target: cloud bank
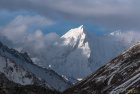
122 14
18 34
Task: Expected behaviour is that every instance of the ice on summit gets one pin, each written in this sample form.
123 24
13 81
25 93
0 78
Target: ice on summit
72 58
74 33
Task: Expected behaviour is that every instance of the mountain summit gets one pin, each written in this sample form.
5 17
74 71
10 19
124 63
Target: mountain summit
77 38
76 32
71 52
77 52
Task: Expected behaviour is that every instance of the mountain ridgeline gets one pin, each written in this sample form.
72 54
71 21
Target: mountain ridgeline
77 55
19 68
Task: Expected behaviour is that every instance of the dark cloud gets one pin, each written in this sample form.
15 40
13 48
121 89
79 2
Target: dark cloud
123 14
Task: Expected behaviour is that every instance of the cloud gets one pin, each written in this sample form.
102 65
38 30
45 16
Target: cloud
20 26
29 20
17 35
128 38
19 32
106 13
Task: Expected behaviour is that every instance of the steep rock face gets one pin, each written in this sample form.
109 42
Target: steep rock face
19 68
74 54
116 77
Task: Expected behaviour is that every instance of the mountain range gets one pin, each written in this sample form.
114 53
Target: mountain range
19 68
68 63
82 49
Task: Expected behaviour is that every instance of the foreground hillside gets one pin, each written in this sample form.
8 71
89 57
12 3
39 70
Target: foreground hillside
9 87
119 76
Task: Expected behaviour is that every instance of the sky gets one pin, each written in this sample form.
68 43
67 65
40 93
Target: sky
61 15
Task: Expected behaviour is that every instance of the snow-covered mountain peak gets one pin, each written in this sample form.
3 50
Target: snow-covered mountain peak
75 33
75 37
74 51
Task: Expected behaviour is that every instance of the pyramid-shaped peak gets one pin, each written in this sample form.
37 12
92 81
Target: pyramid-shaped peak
75 32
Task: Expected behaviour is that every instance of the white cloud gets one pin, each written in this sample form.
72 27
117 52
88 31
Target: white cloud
18 32
127 37
18 29
17 35
14 33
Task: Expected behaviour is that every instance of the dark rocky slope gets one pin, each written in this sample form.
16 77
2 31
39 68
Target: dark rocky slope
9 87
119 76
